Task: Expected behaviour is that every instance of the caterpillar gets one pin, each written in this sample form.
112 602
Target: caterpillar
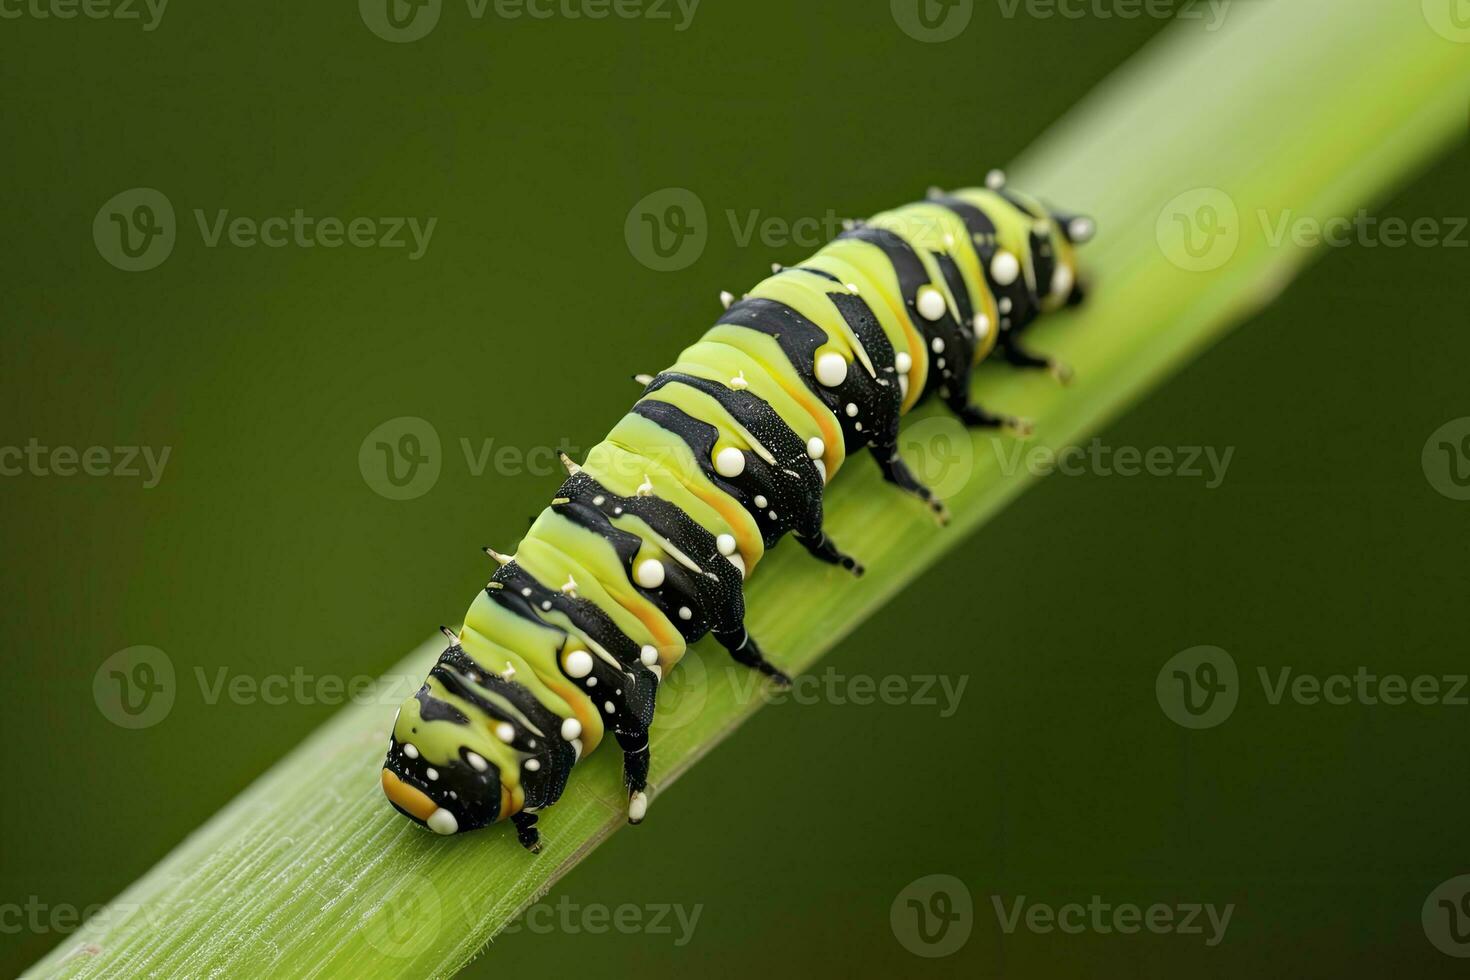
647 545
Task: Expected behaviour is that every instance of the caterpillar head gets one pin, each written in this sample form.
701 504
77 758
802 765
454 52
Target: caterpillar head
437 772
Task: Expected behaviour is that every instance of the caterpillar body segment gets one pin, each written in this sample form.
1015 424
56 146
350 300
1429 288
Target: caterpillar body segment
647 545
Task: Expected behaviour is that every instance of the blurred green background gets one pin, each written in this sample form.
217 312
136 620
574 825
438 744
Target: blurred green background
264 550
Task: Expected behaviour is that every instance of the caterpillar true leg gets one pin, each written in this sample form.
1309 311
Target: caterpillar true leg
897 472
636 760
743 649
1018 356
526 832
821 547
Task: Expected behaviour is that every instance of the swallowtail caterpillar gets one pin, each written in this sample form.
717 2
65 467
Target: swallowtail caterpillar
647 544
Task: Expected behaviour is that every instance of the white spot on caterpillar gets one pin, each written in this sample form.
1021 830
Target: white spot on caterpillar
996 179
598 500
982 325
930 303
648 656
432 773
506 732
1005 268
831 369
608 707
637 807
532 765
760 500
650 573
410 750
851 410
685 613
441 821
937 345
1006 304
726 544
903 362
592 682
546 604
815 447
477 761
526 593
579 663
851 287
738 382
1081 230
571 729
771 514
726 298
729 462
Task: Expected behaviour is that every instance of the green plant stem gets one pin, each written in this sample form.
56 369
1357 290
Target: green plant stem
1308 107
